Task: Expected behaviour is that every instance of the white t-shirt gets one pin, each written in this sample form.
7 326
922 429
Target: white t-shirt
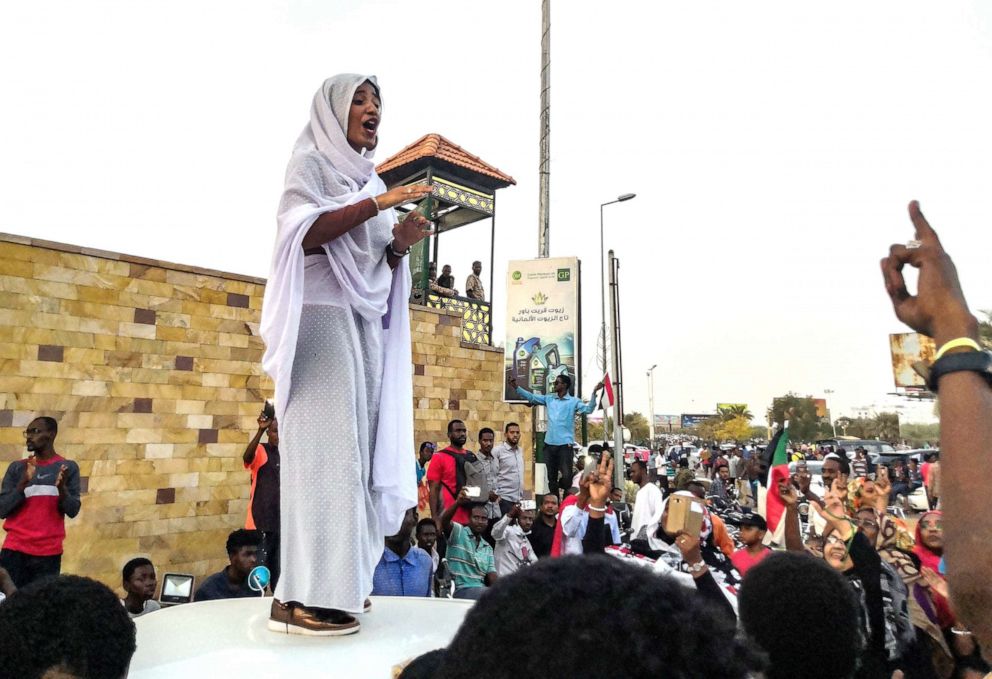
150 607
648 506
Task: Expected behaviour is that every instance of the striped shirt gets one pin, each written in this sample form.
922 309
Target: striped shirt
470 558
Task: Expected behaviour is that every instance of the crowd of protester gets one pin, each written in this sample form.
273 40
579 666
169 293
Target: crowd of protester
575 582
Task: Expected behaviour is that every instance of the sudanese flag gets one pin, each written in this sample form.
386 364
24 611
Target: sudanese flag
770 505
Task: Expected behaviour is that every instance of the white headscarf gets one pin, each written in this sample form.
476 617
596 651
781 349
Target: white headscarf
324 174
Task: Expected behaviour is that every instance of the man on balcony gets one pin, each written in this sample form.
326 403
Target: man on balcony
473 284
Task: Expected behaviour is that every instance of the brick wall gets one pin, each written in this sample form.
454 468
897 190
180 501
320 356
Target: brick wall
152 370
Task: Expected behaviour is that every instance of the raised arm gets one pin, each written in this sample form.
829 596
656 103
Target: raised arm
539 399
249 455
499 528
793 536
939 310
448 514
590 406
336 223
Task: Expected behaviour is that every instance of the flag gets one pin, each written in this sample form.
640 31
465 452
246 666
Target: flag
770 505
608 387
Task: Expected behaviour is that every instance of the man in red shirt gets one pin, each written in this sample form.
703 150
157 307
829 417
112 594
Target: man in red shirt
442 475
36 495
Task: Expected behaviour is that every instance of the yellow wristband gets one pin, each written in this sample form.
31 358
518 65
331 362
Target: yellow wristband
955 344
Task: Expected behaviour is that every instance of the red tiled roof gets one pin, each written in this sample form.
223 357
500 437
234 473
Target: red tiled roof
434 145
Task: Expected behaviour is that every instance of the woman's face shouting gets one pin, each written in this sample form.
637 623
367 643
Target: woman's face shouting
363 118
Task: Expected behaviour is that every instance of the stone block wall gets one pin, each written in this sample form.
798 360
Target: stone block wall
153 371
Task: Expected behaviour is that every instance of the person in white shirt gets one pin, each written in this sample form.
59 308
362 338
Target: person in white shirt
513 549
575 519
659 465
648 505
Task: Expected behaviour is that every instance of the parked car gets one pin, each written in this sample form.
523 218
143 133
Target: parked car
888 458
814 467
872 447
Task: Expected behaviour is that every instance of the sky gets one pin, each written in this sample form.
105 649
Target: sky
773 147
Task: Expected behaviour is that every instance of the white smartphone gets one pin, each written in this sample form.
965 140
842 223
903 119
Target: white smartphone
472 491
528 505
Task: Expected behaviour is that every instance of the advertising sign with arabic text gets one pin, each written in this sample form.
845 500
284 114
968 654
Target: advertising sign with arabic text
542 324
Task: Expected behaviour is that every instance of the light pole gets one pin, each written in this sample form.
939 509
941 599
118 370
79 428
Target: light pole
651 403
602 275
829 414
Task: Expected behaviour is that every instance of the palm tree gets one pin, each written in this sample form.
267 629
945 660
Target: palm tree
886 426
736 410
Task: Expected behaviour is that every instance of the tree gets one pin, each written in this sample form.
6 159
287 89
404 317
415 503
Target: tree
917 434
985 329
638 426
759 433
804 424
707 429
736 410
886 426
735 429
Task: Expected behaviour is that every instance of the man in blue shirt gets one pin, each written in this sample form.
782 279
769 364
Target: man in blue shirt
403 570
560 437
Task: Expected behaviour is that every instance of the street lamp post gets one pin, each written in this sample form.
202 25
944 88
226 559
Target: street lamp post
602 276
651 403
830 414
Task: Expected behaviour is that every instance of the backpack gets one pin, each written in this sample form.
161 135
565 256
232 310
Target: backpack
469 471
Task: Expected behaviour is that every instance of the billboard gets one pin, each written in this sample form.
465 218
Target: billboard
821 407
542 323
691 420
667 421
910 351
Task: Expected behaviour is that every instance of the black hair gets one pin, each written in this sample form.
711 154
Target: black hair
424 666
472 506
486 430
664 629
640 463
778 594
242 538
134 564
425 444
422 523
696 484
567 380
845 464
453 423
68 622
50 424
510 424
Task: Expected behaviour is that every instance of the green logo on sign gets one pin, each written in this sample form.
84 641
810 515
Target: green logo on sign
564 275
516 275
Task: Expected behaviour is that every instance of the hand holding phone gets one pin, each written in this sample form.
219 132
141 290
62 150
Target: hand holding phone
472 492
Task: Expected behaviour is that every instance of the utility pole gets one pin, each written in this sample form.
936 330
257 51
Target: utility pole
651 403
540 415
544 169
618 475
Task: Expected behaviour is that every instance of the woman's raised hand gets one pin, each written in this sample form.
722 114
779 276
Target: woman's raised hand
402 194
410 231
